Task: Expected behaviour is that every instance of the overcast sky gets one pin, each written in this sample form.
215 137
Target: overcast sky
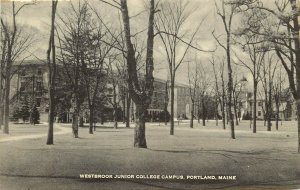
37 18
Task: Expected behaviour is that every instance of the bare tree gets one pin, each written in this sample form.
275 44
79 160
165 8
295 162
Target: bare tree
170 26
279 93
140 92
269 70
15 45
227 19
52 73
287 44
3 46
203 91
99 44
73 54
193 88
141 97
238 89
115 80
220 93
255 53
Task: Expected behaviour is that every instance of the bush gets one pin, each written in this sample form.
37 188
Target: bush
247 116
16 114
24 113
35 115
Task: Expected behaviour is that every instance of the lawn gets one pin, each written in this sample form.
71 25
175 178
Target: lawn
267 160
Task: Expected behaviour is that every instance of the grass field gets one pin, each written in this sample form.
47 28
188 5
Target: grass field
266 160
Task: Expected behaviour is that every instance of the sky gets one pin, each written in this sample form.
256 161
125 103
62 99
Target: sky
37 18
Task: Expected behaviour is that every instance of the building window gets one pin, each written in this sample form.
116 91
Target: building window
23 73
39 71
22 88
259 103
38 86
38 102
259 113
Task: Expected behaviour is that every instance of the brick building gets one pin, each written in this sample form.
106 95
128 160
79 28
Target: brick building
30 80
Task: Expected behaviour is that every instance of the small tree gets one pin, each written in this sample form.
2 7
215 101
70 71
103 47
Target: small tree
25 113
16 113
226 14
35 115
171 30
15 44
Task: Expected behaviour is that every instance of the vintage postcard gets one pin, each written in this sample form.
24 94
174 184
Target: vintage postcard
149 94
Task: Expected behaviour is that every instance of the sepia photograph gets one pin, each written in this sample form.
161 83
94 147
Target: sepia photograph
149 94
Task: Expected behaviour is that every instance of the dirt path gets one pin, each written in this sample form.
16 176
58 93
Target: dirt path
62 130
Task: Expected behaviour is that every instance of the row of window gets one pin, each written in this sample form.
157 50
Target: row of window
39 72
38 86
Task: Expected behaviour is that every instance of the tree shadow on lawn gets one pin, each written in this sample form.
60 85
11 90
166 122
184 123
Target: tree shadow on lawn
229 153
202 150
109 131
108 127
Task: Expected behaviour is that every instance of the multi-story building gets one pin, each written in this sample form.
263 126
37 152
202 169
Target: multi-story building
182 101
287 107
30 80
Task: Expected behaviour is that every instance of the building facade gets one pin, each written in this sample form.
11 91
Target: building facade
30 81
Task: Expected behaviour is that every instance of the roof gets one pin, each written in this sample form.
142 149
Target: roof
177 84
43 62
30 62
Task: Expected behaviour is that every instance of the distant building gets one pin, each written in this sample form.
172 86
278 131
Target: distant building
287 108
30 80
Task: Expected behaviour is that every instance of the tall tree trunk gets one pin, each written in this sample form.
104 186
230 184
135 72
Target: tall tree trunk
192 117
52 73
76 118
254 105
277 114
297 48
223 102
139 130
1 96
230 114
203 112
166 114
166 102
1 101
223 114
142 99
91 118
115 117
75 124
1 114
124 109
50 116
6 100
235 112
216 113
198 111
9 61
172 106
269 107
128 103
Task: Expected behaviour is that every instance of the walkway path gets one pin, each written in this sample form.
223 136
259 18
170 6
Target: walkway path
62 131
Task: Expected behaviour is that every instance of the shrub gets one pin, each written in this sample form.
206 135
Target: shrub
35 115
